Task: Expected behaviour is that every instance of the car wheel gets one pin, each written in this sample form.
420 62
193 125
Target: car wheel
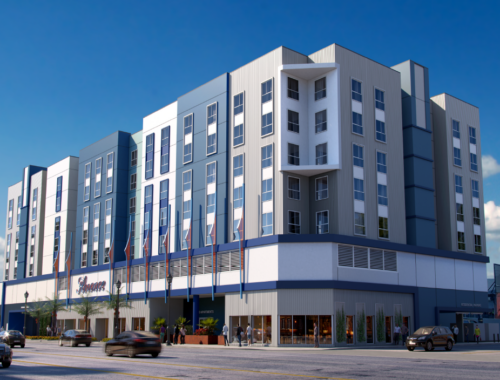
73 343
131 352
60 342
449 346
6 364
411 348
87 344
154 354
108 351
22 345
429 346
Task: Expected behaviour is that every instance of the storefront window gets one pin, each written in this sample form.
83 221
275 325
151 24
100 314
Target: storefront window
325 329
69 324
299 329
81 325
121 325
267 329
310 321
257 331
286 329
388 330
369 329
406 322
350 329
138 324
234 328
243 322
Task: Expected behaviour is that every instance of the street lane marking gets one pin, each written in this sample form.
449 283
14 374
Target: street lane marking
190 366
99 370
480 352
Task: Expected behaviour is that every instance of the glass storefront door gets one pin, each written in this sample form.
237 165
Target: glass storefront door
257 331
285 329
388 329
267 329
325 329
138 324
369 329
299 329
234 329
310 321
349 329
244 325
260 326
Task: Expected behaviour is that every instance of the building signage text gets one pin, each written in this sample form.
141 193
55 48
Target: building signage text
92 287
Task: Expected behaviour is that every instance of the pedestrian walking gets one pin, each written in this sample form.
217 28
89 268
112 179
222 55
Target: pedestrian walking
249 334
455 333
316 336
477 334
225 330
239 333
397 332
404 333
1 329
162 334
466 333
183 335
49 331
176 334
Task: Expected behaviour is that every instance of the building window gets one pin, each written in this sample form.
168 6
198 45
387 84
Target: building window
321 154
380 131
267 91
57 229
132 205
211 194
357 155
267 224
95 237
461 241
15 273
267 189
320 120
34 204
379 100
381 162
267 156
322 223
293 121
477 216
31 270
267 124
163 190
85 236
473 162
16 248
460 212
133 181
97 182
472 135
238 197
133 158
359 191
293 154
7 248
357 123
320 89
359 223
186 207
109 168
19 201
267 119
475 188
148 197
132 239
211 129
293 88
456 129
107 230
238 165
86 189
150 147
356 90
163 216
477 244
211 173
58 194
11 209
188 139
293 222
458 184
165 150
321 188
238 191
32 242
382 195
293 188
238 122
383 228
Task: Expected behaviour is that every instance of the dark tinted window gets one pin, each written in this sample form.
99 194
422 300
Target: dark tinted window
145 334
447 330
443 330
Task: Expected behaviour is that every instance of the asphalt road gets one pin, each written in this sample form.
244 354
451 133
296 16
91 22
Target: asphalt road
46 360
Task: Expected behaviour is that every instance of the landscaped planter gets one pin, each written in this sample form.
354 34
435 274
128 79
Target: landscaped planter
203 339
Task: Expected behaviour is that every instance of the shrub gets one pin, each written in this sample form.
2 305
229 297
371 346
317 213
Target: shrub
380 325
361 326
105 340
43 337
341 325
201 331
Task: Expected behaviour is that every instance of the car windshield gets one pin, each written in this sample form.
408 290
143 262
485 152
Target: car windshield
145 334
81 332
14 332
424 331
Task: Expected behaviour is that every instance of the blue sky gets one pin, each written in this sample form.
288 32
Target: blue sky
73 72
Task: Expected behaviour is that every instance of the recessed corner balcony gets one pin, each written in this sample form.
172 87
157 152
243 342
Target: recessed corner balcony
308 71
309 170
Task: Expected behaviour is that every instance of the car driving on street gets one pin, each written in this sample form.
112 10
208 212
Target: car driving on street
430 337
13 338
75 338
5 355
134 343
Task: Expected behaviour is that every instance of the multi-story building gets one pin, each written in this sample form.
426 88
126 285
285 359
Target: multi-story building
294 190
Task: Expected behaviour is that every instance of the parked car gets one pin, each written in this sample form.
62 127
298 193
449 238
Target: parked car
75 338
5 355
13 338
430 337
134 343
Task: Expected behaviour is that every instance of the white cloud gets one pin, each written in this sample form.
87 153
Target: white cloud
490 166
2 246
492 217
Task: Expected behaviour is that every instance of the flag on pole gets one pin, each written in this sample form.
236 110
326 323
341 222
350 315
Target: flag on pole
56 266
188 242
127 256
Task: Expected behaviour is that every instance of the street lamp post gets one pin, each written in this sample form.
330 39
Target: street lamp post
169 281
26 295
117 308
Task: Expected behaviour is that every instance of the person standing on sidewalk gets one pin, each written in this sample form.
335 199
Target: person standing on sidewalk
404 333
249 335
183 335
162 334
176 334
477 334
49 331
397 332
316 336
239 333
455 333
225 330
466 333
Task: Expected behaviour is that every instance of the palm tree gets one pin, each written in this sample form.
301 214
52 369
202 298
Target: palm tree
86 307
53 306
116 302
209 324
38 311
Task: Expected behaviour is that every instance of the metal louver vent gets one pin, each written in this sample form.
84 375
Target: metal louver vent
154 272
175 268
142 273
135 274
223 262
360 257
197 265
235 260
345 256
183 267
376 259
390 261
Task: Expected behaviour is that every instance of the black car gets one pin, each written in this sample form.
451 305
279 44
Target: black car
13 338
5 355
75 338
430 337
134 343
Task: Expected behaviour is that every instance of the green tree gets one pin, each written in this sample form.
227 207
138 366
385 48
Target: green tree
380 326
116 302
159 322
181 321
361 320
210 325
86 307
341 325
38 311
53 306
